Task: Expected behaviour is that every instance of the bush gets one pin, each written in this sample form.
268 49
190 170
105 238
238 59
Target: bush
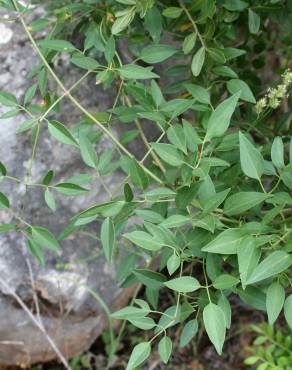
210 201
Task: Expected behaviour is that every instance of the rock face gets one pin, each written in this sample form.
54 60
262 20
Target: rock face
69 313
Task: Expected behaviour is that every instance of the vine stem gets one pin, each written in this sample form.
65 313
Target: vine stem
78 105
193 23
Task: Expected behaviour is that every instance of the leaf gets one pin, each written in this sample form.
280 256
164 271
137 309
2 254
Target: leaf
176 136
165 349
57 45
224 304
50 200
243 201
27 124
173 264
224 71
219 120
87 151
61 133
275 301
198 61
83 62
45 238
217 55
138 175
188 333
248 257
201 94
128 193
135 72
122 22
156 53
215 325
169 154
3 170
251 160
8 99
30 93
172 12
225 281
130 312
152 280
226 242
288 310
185 284
48 177
175 221
36 250
214 201
277 153
107 237
144 240
144 323
189 43
69 189
274 264
254 21
139 354
4 202
4 228
238 86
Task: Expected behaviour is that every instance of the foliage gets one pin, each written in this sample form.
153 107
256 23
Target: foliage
271 350
211 198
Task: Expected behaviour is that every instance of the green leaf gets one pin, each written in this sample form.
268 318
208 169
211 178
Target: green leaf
275 301
3 170
173 264
201 94
45 238
135 72
110 49
69 189
175 221
87 151
57 45
219 120
176 136
27 124
138 175
272 265
4 202
7 227
189 43
152 280
48 177
251 160
224 71
50 200
188 333
248 257
243 201
144 240
224 304
139 354
172 12
225 281
277 153
217 55
156 53
30 93
238 86
288 310
122 22
83 62
165 349
107 237
130 312
61 133
254 21
144 323
184 284
214 201
128 193
198 61
226 242
169 154
215 325
36 250
8 99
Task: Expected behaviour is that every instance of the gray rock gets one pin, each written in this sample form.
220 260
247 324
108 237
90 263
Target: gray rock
70 315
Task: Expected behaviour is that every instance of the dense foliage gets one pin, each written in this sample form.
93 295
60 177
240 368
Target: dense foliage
210 201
